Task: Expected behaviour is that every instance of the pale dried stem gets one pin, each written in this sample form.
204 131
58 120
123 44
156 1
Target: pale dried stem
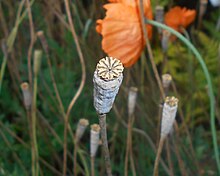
46 48
169 157
75 158
129 147
144 30
144 134
102 123
156 164
31 43
186 130
176 147
66 120
93 166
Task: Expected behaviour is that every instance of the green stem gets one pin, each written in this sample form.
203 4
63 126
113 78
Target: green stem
208 79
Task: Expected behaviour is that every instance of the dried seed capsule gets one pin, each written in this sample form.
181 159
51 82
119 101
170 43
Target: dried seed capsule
26 95
166 80
215 3
132 97
165 40
107 80
81 127
202 7
43 40
94 139
159 16
37 61
168 115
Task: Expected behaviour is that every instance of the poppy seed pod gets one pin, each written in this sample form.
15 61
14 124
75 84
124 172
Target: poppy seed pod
94 139
132 97
165 40
168 115
166 80
26 95
107 80
37 61
215 3
81 127
202 7
43 40
159 16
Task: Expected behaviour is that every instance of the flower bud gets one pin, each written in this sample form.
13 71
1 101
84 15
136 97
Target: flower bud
168 115
94 139
26 95
132 97
37 61
81 127
107 80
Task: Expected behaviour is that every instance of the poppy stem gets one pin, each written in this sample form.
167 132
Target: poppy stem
82 83
102 123
144 29
208 79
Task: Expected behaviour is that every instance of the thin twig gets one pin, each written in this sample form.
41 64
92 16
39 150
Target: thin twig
75 157
144 134
66 120
169 157
141 8
31 43
156 164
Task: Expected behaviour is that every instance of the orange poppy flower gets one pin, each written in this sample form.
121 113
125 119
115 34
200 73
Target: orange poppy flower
135 3
121 31
179 17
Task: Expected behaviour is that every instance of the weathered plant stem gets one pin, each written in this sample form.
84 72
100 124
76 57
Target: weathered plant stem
93 166
176 147
3 66
156 74
46 49
102 123
156 164
169 157
209 82
66 118
129 147
30 49
75 158
34 135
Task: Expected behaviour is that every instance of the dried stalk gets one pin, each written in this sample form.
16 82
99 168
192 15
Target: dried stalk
102 123
156 74
159 150
31 42
169 157
66 119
